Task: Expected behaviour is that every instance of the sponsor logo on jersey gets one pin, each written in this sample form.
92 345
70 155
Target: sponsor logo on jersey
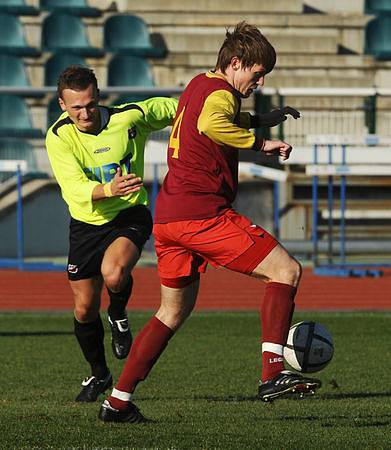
132 133
72 268
102 150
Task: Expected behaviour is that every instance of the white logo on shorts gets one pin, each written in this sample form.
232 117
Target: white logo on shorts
72 268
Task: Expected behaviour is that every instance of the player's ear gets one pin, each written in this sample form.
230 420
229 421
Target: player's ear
235 63
62 104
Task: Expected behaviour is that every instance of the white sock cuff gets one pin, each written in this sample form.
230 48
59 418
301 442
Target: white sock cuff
124 396
278 349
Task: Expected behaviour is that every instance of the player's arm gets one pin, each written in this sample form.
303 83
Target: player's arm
270 119
74 182
120 185
159 112
217 121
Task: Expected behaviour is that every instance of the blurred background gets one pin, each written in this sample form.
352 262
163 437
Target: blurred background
329 203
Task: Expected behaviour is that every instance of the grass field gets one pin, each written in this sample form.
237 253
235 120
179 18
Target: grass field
201 394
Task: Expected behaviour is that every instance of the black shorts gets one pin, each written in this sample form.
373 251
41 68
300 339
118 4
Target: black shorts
88 243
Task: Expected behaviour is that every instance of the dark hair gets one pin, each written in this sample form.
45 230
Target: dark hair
77 78
249 45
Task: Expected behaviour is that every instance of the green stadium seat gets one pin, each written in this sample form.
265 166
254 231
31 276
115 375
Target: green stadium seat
57 63
18 7
12 37
17 149
77 7
377 6
378 38
125 33
15 120
12 71
128 70
67 33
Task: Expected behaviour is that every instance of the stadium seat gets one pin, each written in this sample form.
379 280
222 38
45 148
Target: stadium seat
57 63
377 6
77 7
67 33
15 120
128 70
12 37
18 7
378 37
12 71
129 34
17 149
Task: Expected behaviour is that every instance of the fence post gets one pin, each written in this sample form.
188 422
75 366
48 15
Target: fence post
19 219
370 106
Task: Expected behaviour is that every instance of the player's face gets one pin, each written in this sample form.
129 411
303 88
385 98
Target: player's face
82 107
247 79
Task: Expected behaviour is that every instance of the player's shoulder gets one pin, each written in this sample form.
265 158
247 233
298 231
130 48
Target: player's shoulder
59 127
124 110
209 82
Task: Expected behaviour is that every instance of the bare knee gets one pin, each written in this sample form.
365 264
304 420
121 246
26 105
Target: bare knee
290 273
177 304
85 312
114 277
87 305
173 317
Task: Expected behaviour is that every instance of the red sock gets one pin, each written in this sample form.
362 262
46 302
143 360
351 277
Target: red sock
276 315
146 349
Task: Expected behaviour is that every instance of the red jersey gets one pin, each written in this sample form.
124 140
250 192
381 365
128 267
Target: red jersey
202 178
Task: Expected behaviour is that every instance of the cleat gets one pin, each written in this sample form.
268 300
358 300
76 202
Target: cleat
286 383
131 414
92 388
121 337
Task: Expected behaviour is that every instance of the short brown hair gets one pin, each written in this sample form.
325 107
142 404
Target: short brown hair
248 44
77 78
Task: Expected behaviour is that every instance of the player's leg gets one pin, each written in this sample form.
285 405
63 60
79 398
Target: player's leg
118 261
89 332
282 274
233 241
128 233
177 304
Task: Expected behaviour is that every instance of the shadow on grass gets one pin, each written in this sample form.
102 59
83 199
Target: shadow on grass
254 398
352 395
35 333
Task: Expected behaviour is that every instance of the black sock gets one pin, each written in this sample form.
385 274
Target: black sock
90 337
119 300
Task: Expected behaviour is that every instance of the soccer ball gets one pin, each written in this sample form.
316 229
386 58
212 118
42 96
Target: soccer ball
309 347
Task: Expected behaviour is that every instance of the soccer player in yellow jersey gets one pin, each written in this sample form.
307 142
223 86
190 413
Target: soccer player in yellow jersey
97 157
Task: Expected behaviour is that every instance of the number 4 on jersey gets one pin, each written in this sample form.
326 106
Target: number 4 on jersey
174 136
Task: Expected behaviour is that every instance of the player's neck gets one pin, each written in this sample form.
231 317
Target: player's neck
224 75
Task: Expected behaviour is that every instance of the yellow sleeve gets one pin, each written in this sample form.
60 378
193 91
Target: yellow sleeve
217 121
76 187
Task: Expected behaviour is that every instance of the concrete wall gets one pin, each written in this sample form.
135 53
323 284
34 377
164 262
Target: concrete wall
46 219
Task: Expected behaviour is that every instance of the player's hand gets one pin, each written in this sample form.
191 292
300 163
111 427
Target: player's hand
277 116
125 184
279 148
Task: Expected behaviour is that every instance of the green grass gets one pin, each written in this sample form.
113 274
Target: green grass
201 394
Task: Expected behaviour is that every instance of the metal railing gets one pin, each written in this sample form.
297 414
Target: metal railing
324 110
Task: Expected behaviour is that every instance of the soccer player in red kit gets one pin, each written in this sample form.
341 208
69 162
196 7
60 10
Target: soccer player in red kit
195 223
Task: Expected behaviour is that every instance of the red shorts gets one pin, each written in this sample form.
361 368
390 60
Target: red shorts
230 240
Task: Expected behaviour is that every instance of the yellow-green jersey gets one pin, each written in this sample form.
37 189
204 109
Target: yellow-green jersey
80 160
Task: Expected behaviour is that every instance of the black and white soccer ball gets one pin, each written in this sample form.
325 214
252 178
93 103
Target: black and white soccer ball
309 347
